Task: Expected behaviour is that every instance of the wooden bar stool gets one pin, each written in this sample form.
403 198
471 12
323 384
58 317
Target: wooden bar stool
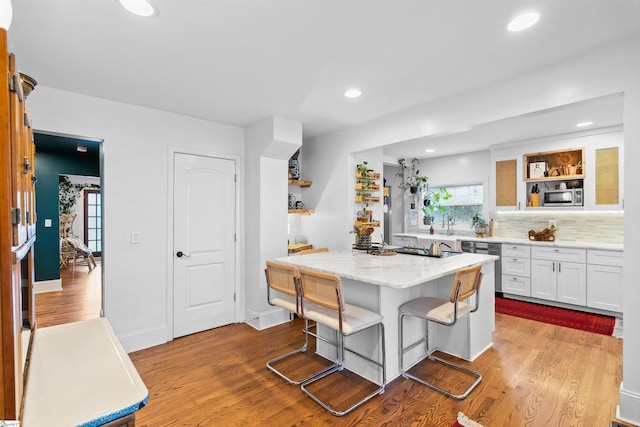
325 291
285 279
445 312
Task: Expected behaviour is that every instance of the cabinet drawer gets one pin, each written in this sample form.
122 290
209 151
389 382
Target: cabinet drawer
559 254
516 266
518 251
516 285
612 258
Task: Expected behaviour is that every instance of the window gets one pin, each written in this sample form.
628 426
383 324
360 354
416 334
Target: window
464 203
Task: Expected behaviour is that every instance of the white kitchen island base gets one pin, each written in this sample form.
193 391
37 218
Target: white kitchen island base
383 284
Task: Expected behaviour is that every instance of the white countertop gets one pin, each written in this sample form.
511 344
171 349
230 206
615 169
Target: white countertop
80 375
519 241
398 271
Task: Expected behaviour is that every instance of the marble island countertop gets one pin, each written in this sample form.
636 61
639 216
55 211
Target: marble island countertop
518 241
399 271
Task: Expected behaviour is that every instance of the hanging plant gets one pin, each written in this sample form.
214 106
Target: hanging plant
433 199
410 176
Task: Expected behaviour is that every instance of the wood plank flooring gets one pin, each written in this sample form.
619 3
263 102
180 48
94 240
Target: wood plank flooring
535 375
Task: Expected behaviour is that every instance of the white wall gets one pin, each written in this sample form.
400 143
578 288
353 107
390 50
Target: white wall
612 69
135 194
269 145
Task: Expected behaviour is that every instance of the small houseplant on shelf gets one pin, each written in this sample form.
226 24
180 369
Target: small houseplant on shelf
427 217
362 171
410 176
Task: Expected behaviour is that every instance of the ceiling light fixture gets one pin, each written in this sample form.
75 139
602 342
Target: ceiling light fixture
6 13
139 7
524 21
353 93
429 150
583 124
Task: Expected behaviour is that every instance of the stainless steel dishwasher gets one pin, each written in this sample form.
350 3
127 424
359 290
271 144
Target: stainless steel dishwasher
488 249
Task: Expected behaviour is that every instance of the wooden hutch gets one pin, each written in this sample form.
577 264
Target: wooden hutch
17 233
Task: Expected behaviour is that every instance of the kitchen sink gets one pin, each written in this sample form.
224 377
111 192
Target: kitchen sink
424 252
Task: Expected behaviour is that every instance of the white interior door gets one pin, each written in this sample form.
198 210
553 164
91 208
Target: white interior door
204 243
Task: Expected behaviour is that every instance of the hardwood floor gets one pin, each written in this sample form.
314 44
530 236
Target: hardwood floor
534 375
79 299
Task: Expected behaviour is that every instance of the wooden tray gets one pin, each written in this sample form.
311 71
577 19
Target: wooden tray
546 235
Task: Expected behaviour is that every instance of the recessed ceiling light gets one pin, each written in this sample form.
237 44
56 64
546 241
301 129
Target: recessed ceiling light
139 7
353 93
429 150
524 21
583 124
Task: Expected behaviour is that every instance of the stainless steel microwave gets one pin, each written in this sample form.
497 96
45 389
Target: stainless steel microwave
567 197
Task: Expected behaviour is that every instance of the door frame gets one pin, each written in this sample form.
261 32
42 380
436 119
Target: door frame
239 247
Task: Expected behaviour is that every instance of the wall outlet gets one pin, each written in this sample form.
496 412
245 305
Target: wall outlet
552 223
136 237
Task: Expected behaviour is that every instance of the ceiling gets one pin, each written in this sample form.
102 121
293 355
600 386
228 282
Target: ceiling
603 112
241 61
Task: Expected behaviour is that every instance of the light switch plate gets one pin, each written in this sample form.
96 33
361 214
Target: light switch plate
135 237
47 223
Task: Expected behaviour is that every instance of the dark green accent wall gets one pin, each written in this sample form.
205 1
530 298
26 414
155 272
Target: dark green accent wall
56 155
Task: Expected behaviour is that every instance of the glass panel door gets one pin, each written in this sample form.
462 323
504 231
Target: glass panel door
93 221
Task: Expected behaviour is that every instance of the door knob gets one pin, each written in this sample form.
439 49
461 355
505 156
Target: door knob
180 254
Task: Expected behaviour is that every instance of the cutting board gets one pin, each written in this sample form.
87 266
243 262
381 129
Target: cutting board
297 247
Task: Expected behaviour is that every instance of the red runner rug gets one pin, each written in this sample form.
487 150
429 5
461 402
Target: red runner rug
557 316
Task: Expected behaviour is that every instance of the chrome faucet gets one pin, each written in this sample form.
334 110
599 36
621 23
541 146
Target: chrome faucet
449 230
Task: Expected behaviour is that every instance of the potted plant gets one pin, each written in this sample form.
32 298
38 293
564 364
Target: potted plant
410 176
427 218
479 224
361 169
433 199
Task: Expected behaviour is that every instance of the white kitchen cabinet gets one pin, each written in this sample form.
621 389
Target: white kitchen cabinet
559 274
516 269
404 241
604 280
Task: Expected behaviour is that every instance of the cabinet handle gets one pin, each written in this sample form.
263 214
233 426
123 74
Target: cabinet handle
559 268
553 267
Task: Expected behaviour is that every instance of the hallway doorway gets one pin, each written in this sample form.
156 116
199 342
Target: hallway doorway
66 166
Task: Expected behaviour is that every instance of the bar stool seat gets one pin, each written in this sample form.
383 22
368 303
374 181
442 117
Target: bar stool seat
445 312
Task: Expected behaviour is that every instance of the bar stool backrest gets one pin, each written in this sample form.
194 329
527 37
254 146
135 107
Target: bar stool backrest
466 283
282 277
322 288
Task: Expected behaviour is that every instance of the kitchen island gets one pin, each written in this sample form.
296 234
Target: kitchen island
383 283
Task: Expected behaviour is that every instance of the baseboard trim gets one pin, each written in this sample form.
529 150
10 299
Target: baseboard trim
47 286
629 408
266 319
139 340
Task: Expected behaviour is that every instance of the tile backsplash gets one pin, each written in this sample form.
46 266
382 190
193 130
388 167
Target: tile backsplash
605 227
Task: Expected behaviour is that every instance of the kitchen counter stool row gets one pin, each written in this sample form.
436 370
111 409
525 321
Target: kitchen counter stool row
318 296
